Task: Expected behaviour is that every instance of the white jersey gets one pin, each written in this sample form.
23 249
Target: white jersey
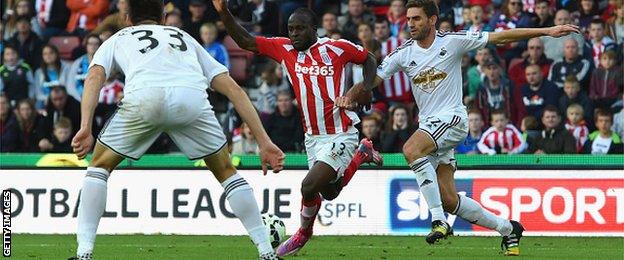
157 56
435 72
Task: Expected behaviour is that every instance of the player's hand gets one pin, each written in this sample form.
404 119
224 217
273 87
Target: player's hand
562 30
345 102
273 156
220 5
82 143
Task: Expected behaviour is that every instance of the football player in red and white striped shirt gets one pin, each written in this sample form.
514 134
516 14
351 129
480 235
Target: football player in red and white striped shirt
315 69
501 137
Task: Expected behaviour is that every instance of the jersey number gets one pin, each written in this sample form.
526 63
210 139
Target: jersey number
154 43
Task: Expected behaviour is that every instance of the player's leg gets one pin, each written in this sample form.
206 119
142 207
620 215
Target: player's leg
471 211
365 153
93 197
415 150
241 199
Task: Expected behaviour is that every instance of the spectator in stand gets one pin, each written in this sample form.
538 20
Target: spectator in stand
110 96
536 56
52 16
572 64
9 128
477 23
245 143
85 15
552 46
502 137
367 40
284 125
554 139
587 11
22 8
371 129
574 95
17 78
30 130
464 23
530 129
53 72
606 82
511 16
397 17
59 105
398 87
603 140
618 122
272 82
445 25
576 125
475 131
61 138
174 19
615 24
598 43
116 21
27 42
80 67
399 128
197 8
208 33
538 93
543 13
356 15
476 73
495 93
263 16
329 24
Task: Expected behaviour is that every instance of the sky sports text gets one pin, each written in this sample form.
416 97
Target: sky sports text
6 223
562 205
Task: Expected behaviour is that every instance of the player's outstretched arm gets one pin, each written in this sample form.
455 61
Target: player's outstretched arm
269 152
520 34
235 30
83 140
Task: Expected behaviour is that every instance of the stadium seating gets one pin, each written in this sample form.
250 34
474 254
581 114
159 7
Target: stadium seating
65 45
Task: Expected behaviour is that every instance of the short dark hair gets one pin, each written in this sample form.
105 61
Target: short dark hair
309 13
603 113
550 108
598 21
382 19
143 10
429 6
498 111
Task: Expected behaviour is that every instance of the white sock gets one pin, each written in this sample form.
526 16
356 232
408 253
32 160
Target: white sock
428 185
91 208
243 203
471 211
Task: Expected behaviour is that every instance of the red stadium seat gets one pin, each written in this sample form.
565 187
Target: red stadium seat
239 59
65 45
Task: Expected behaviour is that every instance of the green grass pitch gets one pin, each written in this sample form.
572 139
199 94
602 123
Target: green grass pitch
320 247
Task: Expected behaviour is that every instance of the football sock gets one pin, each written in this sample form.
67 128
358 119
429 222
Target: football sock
243 203
351 169
91 207
469 210
428 185
309 209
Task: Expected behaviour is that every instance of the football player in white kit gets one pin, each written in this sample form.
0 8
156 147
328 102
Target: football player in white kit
167 73
432 60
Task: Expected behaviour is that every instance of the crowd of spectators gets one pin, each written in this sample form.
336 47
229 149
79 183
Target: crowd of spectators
545 95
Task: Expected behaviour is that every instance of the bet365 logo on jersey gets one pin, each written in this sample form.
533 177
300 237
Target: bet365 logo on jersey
409 211
315 70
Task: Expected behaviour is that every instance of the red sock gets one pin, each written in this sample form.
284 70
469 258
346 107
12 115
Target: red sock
351 169
309 209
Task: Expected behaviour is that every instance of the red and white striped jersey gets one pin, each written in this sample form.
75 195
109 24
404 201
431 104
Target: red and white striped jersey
318 78
508 141
396 88
580 133
110 92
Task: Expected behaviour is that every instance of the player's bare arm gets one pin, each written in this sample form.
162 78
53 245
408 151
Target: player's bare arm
269 152
83 141
519 34
235 30
348 101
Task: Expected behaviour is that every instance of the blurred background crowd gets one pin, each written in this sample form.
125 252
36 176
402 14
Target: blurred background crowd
545 95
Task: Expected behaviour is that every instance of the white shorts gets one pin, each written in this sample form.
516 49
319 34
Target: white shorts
336 150
183 113
447 131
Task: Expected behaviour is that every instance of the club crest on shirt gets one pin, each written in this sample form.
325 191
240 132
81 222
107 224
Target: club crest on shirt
442 52
428 79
